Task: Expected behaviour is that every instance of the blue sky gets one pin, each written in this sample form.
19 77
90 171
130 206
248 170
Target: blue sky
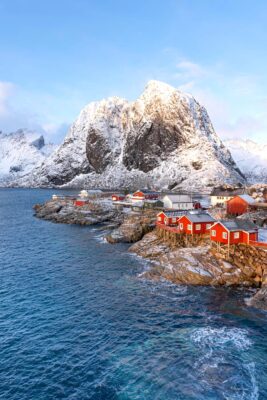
56 56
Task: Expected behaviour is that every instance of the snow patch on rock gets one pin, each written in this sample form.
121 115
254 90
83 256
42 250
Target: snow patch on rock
20 153
251 158
163 138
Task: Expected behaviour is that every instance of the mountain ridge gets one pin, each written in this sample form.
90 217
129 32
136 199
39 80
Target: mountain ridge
20 152
251 157
164 138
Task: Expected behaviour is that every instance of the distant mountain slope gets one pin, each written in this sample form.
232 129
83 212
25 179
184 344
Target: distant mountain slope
20 152
164 138
251 158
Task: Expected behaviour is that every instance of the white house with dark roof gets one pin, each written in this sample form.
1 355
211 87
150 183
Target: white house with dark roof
178 202
219 196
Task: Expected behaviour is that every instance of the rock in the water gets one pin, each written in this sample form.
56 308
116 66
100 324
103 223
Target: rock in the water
259 300
64 211
133 228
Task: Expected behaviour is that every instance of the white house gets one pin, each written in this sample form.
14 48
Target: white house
219 196
178 202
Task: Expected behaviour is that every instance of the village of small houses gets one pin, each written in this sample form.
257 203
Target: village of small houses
231 221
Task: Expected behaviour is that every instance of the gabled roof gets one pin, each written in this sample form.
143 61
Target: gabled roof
179 197
239 225
227 192
248 199
146 192
173 213
138 192
200 217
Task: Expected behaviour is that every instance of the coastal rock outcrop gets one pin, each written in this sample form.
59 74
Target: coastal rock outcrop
190 265
63 211
133 228
165 139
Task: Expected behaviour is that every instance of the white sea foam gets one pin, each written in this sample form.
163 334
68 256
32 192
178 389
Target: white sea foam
252 372
225 346
220 337
100 238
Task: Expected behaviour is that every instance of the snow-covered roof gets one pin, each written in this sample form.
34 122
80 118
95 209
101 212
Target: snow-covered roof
248 199
239 225
174 213
200 217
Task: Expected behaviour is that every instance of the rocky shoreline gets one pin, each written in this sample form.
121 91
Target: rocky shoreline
180 264
64 211
196 265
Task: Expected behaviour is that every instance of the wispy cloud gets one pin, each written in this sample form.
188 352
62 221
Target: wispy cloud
235 102
14 115
6 91
189 70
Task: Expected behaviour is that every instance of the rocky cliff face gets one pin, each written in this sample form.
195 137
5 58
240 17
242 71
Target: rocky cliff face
164 138
20 153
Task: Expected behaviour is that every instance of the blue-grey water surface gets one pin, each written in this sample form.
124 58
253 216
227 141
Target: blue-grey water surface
76 321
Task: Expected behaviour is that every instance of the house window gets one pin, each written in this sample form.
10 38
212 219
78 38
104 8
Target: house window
224 235
236 235
208 226
198 227
181 226
159 219
189 227
213 233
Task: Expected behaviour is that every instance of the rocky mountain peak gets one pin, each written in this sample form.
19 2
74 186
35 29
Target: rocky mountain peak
164 138
158 88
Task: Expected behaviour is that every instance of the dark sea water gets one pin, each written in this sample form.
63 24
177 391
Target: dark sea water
76 321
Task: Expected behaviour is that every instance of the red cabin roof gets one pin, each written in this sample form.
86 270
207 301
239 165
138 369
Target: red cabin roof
234 232
139 194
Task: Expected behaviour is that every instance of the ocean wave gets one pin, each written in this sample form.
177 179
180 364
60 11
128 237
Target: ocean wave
223 363
101 238
221 337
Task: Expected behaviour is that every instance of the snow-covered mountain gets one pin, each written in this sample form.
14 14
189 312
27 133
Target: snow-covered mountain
163 139
251 158
20 152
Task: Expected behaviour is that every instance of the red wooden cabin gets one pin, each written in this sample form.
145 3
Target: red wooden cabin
139 196
239 205
80 203
117 197
196 223
234 232
169 217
